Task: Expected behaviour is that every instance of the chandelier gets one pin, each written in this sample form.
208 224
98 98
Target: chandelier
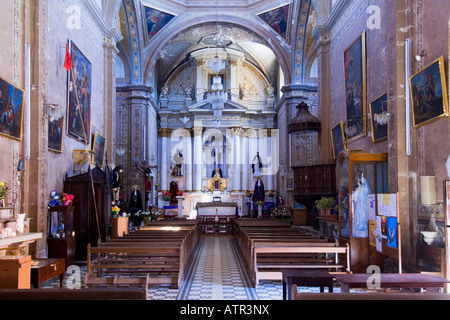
217 96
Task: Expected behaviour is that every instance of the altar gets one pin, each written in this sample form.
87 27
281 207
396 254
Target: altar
216 208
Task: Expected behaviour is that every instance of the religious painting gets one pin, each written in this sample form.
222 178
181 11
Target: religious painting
277 19
290 183
355 88
429 93
98 149
338 139
79 104
11 110
55 134
378 118
154 21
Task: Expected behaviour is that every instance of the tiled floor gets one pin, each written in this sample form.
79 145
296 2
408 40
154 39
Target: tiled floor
217 272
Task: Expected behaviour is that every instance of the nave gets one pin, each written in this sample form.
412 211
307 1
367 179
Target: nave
217 272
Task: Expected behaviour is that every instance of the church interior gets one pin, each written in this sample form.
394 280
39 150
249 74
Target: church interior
224 150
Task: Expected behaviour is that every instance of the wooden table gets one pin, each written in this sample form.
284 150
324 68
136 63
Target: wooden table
305 278
430 283
47 269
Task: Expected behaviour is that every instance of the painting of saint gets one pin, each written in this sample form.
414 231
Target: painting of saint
155 20
277 19
11 110
429 93
355 88
79 105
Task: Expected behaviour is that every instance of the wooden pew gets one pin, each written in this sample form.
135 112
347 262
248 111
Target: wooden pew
368 296
114 293
270 270
134 259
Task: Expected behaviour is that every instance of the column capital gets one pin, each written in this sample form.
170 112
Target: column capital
198 131
236 131
165 132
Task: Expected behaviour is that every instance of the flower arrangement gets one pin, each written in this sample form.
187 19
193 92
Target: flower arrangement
248 193
179 194
281 212
3 190
271 194
259 203
60 199
115 210
166 196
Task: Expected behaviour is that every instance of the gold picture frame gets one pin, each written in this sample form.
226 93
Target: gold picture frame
355 86
428 89
338 139
98 149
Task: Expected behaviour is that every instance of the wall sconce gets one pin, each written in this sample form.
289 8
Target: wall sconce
420 55
428 190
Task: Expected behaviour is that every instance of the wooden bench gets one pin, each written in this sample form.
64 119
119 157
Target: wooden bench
433 259
116 293
153 255
367 296
313 257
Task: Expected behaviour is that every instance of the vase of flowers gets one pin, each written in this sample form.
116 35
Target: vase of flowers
148 217
136 218
165 197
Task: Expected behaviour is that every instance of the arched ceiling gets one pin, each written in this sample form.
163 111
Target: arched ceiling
195 24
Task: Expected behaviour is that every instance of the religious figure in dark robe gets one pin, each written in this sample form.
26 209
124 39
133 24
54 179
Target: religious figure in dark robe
258 194
135 203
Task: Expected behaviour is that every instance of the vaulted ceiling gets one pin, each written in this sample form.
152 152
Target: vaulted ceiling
192 25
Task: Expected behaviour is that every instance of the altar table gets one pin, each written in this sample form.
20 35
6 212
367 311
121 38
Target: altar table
216 208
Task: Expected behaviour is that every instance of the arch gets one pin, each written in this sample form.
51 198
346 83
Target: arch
152 51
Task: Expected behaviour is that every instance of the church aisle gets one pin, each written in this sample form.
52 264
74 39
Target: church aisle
217 273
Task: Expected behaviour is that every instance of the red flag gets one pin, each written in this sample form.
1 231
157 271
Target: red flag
68 59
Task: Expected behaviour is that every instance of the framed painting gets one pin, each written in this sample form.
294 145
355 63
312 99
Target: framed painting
98 149
355 88
429 100
290 183
154 21
55 134
378 113
79 96
338 139
277 19
11 110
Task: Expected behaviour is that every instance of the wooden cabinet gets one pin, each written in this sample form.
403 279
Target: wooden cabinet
359 174
61 235
92 203
15 272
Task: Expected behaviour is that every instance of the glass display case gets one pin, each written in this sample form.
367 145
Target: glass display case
359 174
61 235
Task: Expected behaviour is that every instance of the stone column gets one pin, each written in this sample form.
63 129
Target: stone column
245 166
270 170
165 158
197 172
236 183
187 170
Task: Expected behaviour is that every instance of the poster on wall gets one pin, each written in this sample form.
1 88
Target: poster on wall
429 93
355 88
11 110
79 96
155 20
378 118
55 134
277 19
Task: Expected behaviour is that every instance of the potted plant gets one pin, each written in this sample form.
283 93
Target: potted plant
166 196
148 217
325 205
136 218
